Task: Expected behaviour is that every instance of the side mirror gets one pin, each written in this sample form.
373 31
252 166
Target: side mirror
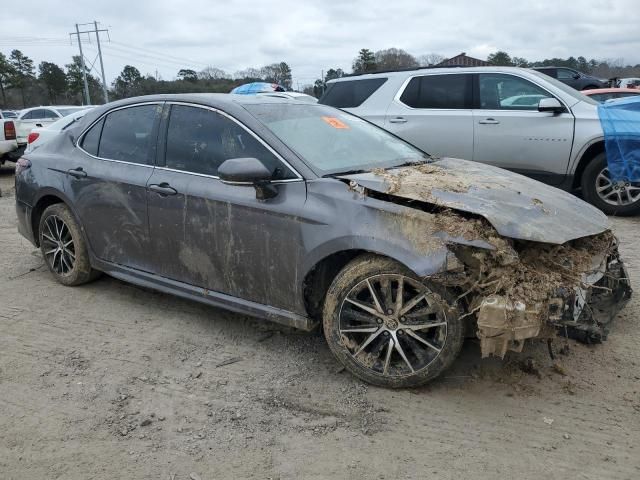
244 171
550 105
576 76
250 172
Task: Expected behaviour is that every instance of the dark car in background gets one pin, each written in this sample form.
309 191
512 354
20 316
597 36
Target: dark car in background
306 215
573 78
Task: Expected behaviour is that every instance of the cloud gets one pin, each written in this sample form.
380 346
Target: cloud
166 35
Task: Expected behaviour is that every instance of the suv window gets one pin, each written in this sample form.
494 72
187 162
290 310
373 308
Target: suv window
199 140
499 91
438 91
565 74
91 139
127 134
350 93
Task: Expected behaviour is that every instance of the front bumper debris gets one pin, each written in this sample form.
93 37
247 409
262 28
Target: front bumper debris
584 312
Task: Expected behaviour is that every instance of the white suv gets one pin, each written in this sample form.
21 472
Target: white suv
513 118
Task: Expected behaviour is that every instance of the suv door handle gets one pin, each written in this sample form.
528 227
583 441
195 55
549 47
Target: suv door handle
77 172
163 189
489 121
398 120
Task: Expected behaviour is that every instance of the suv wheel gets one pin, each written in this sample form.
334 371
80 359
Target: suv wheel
387 326
63 247
613 198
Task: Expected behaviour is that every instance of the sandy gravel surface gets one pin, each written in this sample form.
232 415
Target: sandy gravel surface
110 381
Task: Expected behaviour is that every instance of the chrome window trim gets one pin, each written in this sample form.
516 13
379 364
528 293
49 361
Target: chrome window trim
81 136
244 127
167 169
406 82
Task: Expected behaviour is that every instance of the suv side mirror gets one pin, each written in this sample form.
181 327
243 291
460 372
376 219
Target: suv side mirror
550 105
248 171
576 76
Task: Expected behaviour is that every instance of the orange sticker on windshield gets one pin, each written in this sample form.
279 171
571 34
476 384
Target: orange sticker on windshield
335 123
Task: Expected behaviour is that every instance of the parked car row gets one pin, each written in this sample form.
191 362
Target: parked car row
23 128
518 119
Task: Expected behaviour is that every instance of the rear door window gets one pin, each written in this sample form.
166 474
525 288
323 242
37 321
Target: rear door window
438 91
199 140
128 134
350 93
50 114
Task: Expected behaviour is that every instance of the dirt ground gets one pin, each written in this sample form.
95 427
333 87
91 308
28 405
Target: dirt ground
110 381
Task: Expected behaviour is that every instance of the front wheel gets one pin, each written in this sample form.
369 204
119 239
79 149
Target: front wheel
63 247
612 197
387 326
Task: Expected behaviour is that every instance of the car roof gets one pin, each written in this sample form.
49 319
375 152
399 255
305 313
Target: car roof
428 70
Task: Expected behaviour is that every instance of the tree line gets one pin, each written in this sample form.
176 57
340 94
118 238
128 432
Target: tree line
22 85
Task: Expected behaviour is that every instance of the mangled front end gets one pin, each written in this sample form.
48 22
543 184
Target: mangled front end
521 289
529 259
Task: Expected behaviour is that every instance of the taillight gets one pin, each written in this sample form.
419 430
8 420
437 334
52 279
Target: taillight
22 164
9 130
33 136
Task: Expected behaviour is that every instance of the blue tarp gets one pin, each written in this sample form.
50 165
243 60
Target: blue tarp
257 87
620 120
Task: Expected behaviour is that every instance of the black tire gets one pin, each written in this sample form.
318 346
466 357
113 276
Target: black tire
58 230
589 189
379 360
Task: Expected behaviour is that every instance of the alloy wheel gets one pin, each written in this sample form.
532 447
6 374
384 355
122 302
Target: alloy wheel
619 193
393 325
59 249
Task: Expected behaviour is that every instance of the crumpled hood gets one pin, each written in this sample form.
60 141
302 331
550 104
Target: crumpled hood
518 207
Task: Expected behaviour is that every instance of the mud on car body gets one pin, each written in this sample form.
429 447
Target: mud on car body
305 215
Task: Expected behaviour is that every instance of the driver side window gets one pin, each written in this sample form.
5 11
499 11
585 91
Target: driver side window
200 140
507 92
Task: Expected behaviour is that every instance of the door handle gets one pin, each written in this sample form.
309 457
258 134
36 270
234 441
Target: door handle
489 121
163 189
398 120
38 125
77 172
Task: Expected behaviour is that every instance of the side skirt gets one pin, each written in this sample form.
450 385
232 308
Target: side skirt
208 297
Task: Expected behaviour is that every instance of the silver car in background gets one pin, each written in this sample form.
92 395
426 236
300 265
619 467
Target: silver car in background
514 118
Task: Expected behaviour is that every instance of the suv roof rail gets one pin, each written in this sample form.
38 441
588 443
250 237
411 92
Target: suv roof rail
409 69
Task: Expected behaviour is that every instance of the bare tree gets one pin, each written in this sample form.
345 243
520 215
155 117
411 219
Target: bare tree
430 59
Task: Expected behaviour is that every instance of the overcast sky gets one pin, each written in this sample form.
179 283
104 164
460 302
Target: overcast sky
165 35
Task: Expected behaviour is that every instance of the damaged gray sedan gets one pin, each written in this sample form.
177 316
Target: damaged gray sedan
305 215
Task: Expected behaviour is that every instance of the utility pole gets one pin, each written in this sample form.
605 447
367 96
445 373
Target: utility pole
95 30
84 70
104 81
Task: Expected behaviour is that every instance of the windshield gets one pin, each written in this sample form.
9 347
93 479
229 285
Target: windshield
68 111
565 88
332 141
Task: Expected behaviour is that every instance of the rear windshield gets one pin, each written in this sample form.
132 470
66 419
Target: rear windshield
331 141
350 93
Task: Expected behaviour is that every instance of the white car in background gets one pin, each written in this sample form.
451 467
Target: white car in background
40 135
36 117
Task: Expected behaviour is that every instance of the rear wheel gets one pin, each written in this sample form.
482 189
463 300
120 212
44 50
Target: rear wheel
387 326
63 247
612 197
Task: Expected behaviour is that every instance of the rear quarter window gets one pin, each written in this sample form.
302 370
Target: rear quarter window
350 93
